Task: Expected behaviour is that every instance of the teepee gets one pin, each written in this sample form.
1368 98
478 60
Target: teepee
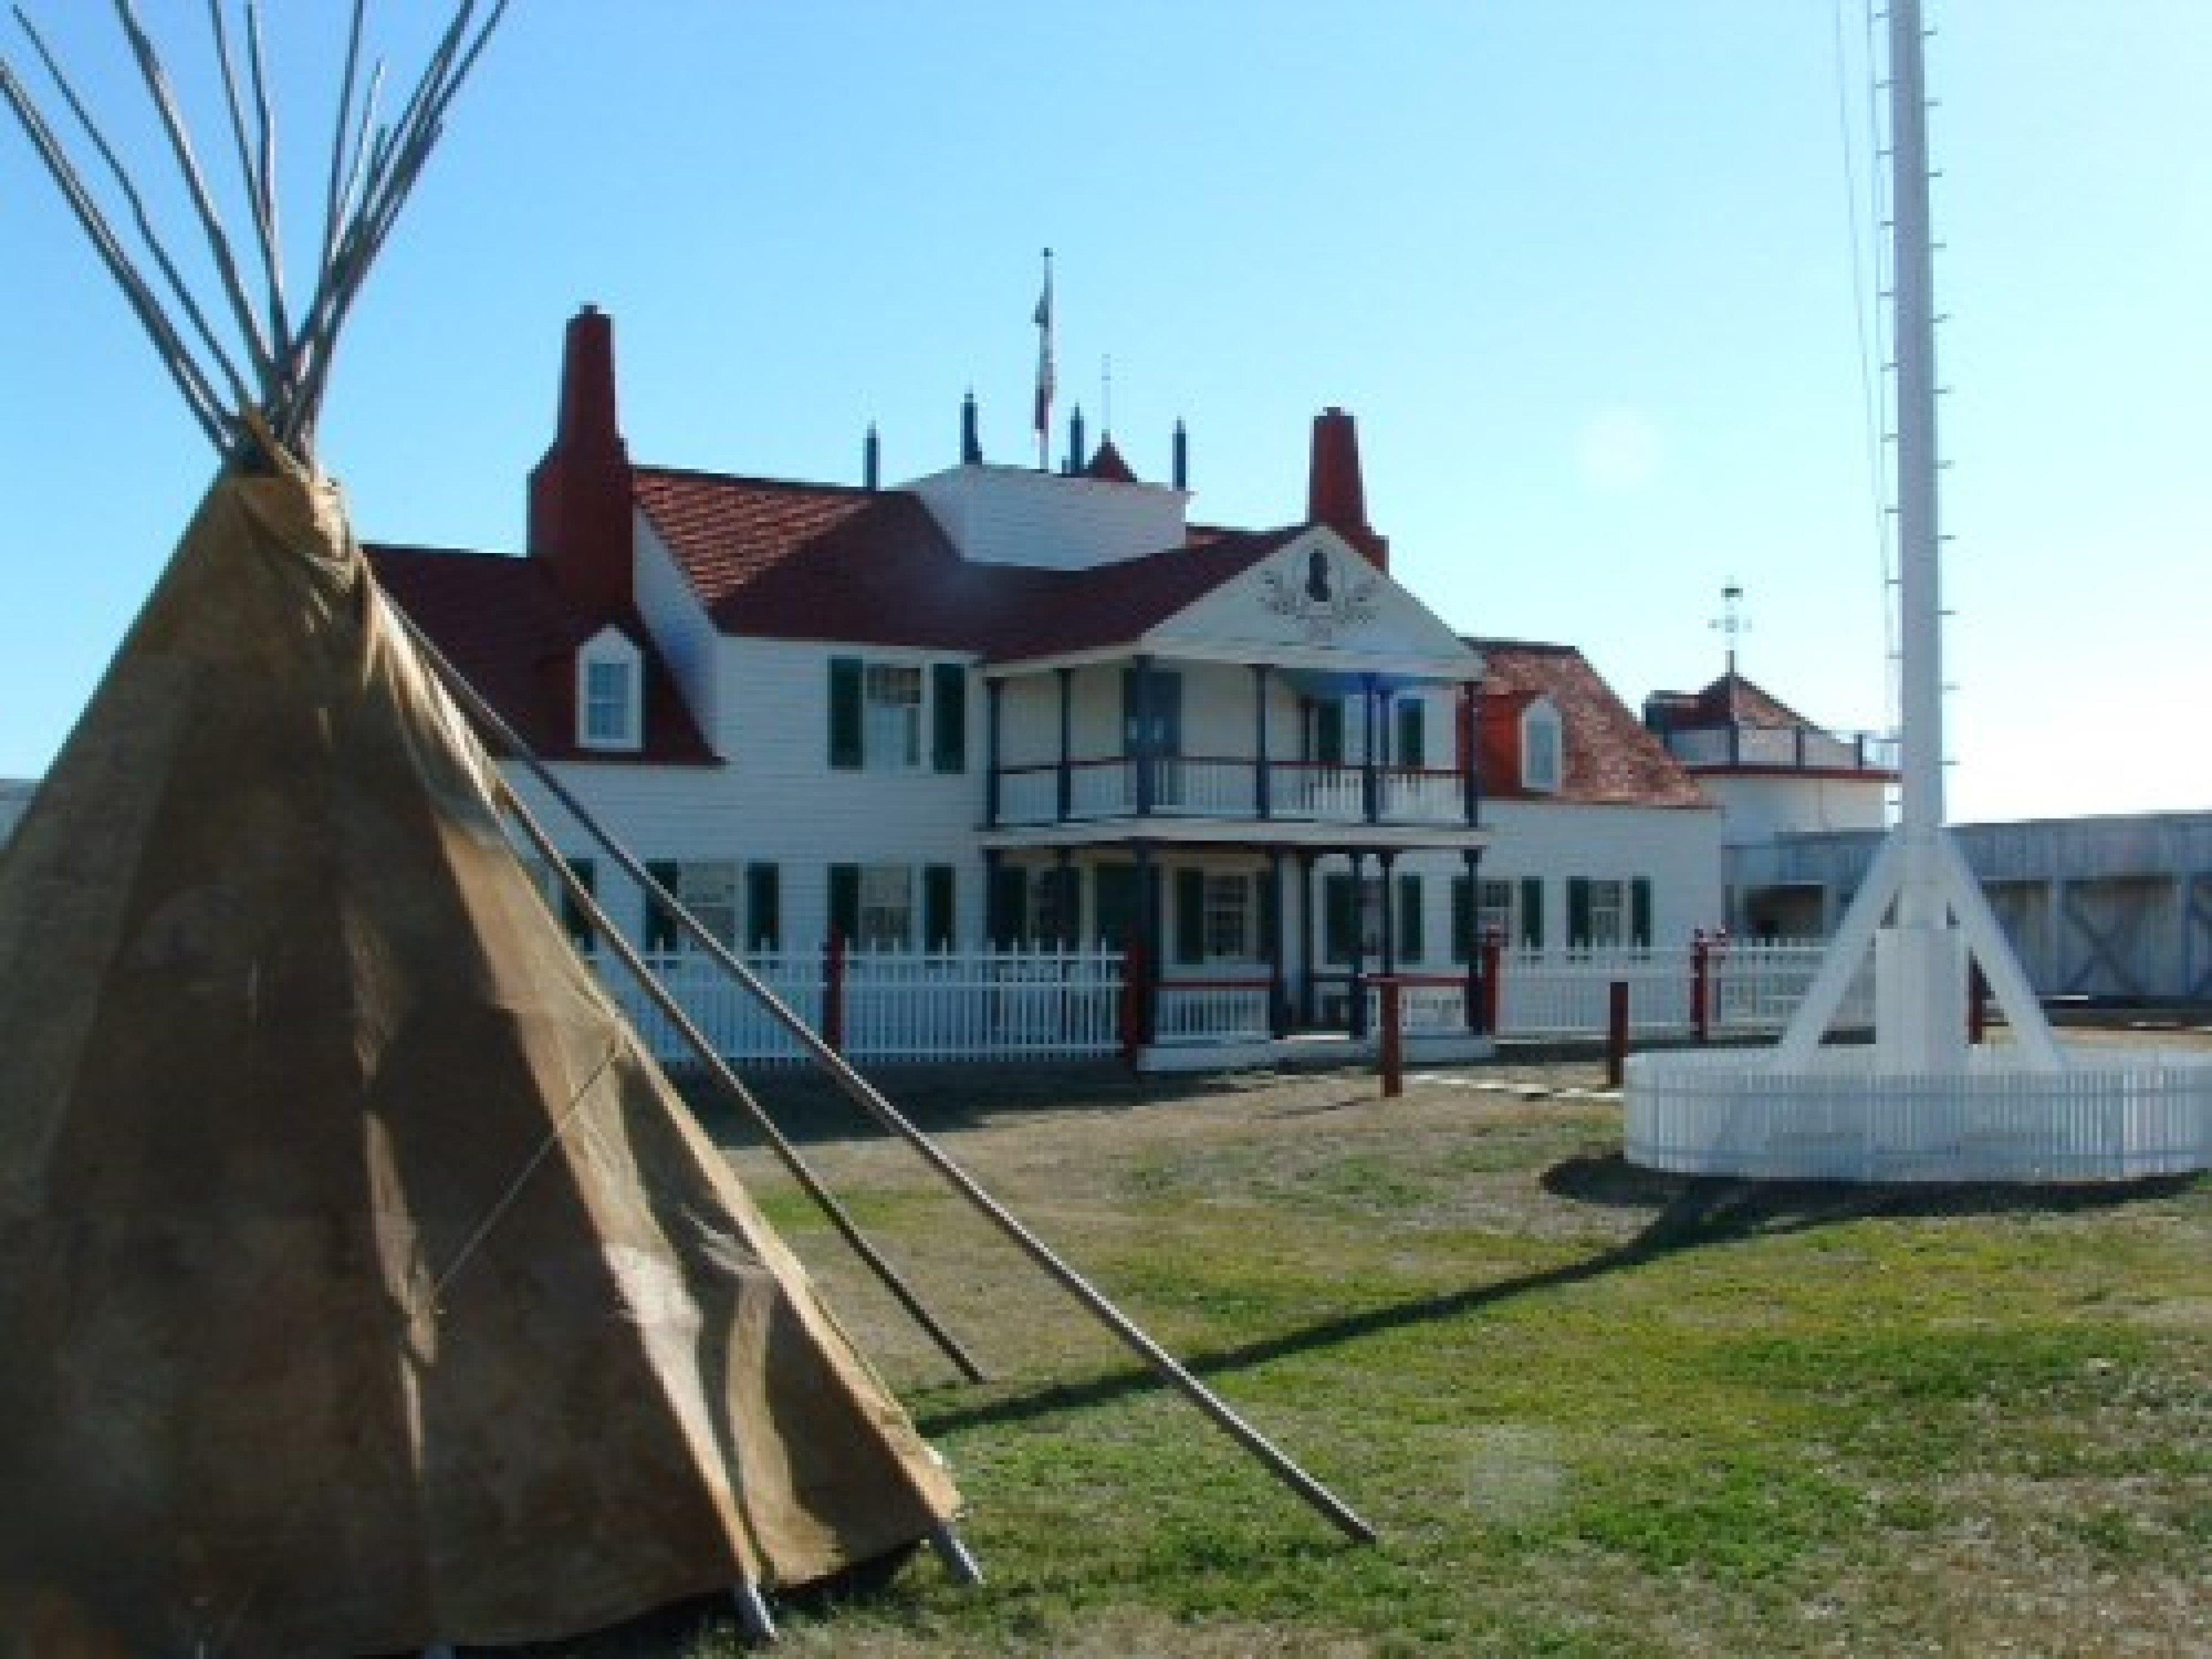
364 1286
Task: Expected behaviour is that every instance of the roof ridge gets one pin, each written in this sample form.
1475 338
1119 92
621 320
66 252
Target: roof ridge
702 475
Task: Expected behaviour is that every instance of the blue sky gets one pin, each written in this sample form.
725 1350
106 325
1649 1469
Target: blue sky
1583 270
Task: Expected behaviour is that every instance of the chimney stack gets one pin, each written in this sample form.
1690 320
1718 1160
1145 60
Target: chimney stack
872 458
1075 457
1180 469
1335 495
580 493
971 441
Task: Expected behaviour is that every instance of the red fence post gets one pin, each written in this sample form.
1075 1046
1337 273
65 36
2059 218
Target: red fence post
833 992
1493 958
1133 993
1616 1034
1394 1038
1701 986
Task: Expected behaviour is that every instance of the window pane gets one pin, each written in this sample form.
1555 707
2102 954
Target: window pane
1228 916
892 718
886 907
606 701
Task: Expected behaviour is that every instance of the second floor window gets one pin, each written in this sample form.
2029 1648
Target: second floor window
891 717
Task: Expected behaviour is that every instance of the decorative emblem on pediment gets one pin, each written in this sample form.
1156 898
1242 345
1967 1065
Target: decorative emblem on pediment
1328 601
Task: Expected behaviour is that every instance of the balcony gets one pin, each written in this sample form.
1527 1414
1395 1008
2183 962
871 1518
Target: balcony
1781 748
1206 787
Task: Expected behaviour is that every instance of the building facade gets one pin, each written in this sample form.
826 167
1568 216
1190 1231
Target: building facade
1000 706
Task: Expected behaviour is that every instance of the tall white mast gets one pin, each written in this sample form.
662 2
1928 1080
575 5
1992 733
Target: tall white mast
1920 957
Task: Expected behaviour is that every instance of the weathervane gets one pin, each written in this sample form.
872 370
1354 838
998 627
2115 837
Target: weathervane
1731 623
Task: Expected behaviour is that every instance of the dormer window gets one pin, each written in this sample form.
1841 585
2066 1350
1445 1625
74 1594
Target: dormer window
1541 747
610 712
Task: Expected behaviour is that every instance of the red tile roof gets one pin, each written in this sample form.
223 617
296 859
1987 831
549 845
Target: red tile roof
512 635
1610 759
1730 700
822 561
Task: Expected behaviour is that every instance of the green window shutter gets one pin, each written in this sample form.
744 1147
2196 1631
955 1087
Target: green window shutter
1413 735
1463 938
845 902
763 908
1328 732
660 930
1271 919
1532 912
1578 912
1190 916
1010 904
1339 917
949 710
1639 912
845 715
1412 947
937 907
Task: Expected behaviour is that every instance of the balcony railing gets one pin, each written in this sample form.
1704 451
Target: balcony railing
1785 748
1219 787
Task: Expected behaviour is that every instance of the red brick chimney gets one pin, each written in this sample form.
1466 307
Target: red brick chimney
1335 495
579 493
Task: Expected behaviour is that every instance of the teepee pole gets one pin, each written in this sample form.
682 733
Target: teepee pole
672 1011
871 1101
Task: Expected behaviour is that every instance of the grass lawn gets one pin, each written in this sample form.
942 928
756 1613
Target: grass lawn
1592 1410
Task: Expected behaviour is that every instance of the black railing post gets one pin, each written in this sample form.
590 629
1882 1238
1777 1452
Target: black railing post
1262 794
1144 744
994 695
1067 779
1369 796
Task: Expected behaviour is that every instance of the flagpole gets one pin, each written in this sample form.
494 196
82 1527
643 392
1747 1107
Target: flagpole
1045 377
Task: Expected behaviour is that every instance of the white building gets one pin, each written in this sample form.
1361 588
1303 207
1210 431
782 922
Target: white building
1001 705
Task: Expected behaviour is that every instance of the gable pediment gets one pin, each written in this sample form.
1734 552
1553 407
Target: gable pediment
1316 599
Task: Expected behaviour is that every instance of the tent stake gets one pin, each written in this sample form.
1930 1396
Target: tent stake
952 1550
866 1096
583 898
753 1615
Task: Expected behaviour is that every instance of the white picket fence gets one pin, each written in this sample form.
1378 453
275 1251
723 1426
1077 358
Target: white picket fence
1061 1004
1752 989
970 1005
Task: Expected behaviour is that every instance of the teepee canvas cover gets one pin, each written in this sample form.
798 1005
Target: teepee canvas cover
363 1285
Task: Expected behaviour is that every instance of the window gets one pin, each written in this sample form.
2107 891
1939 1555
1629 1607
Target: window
1166 699
1328 732
1340 918
891 717
1540 748
1412 736
608 715
886 908
1228 916
875 718
1059 906
1608 914
763 908
707 889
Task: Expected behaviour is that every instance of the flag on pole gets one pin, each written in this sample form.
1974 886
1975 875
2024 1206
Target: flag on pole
1045 384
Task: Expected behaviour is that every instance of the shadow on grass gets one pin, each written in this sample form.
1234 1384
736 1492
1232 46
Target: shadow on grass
1690 1212
808 1106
